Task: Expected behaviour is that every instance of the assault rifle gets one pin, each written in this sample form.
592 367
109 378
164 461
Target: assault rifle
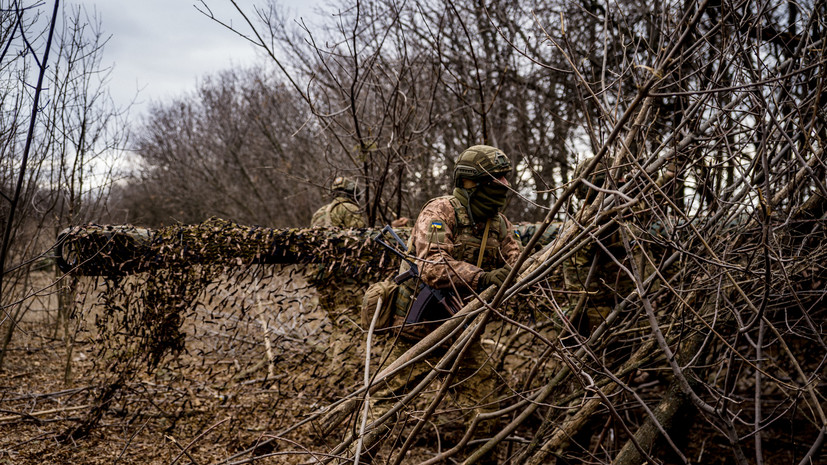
413 271
430 304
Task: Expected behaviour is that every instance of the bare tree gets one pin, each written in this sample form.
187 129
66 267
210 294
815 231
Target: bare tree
241 147
404 87
58 170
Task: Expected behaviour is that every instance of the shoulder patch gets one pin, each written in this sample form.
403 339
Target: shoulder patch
436 225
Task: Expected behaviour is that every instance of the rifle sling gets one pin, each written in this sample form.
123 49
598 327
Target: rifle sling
482 244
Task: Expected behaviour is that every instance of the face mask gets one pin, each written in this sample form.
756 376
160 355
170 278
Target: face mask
487 200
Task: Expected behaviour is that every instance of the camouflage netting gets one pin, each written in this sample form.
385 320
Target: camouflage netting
193 316
117 250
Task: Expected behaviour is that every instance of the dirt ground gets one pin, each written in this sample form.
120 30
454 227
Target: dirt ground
263 352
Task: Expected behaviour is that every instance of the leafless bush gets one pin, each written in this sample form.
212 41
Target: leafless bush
58 140
241 148
725 100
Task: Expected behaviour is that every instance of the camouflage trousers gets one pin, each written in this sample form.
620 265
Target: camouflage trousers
472 391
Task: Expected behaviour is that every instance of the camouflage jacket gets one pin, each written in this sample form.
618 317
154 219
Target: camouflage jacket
340 213
609 283
447 245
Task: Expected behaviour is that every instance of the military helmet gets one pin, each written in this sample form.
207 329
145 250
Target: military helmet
598 176
344 184
480 162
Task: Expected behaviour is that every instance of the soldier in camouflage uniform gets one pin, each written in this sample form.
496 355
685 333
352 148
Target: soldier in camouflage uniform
526 230
341 306
592 270
343 211
447 239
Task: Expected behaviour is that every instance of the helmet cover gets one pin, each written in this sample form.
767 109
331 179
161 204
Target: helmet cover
481 162
344 184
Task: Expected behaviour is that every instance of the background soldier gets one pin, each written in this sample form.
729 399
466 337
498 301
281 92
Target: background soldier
463 244
526 230
341 306
594 270
343 211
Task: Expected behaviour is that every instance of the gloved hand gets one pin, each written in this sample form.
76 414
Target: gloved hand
493 277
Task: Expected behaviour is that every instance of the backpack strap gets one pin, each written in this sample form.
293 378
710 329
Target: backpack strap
483 242
328 219
460 213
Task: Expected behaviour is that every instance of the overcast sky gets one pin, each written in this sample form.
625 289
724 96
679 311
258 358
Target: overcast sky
163 47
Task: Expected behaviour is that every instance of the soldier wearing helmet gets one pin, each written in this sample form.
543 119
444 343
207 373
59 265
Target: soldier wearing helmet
343 211
591 271
463 244
596 270
449 231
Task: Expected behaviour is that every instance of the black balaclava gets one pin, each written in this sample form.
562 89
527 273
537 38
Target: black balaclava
483 201
353 196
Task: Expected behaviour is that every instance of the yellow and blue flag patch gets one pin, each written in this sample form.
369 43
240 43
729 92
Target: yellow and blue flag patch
436 232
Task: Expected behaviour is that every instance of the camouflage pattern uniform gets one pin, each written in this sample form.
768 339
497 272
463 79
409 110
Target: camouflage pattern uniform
341 306
342 212
592 271
607 282
447 244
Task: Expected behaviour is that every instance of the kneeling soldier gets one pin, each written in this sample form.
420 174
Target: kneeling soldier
462 244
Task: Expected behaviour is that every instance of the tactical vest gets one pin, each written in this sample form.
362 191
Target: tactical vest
322 217
467 241
468 238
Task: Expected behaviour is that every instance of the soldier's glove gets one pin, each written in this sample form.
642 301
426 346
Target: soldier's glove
493 277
